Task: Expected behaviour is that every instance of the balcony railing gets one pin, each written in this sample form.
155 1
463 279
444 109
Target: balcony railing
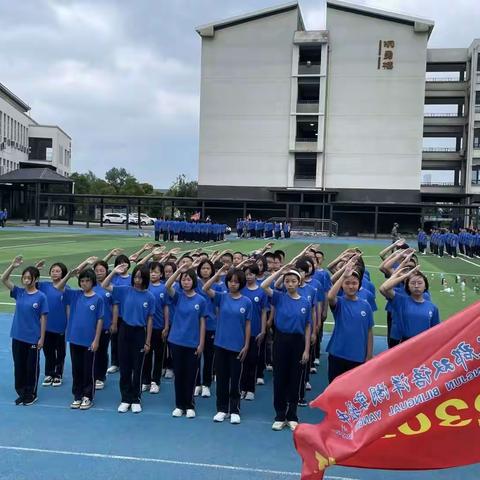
437 115
441 149
310 140
439 184
310 68
444 79
477 108
475 181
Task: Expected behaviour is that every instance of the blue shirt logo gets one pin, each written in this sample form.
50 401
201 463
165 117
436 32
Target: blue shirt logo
197 306
363 313
303 310
108 294
145 304
162 295
257 299
35 305
92 307
242 310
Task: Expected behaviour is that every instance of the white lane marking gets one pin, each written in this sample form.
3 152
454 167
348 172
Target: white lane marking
38 244
333 323
468 261
37 236
212 466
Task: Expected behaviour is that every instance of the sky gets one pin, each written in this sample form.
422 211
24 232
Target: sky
123 78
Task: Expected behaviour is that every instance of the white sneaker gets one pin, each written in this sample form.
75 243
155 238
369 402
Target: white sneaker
249 396
168 373
234 418
260 381
136 408
177 412
145 387
308 386
206 392
316 361
112 369
75 404
269 368
99 385
220 417
47 381
197 392
313 370
292 425
86 404
277 426
190 413
123 407
154 388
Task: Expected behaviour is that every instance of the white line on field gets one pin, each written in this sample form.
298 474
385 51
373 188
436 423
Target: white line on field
129 458
38 236
438 272
7 303
54 244
468 261
333 323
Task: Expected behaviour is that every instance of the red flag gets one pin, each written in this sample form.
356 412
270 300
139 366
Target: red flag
195 217
414 407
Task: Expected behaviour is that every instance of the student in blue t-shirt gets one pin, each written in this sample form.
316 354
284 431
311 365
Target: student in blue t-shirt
232 339
101 270
291 345
153 366
205 271
415 313
258 327
28 330
351 343
54 346
186 337
117 280
137 307
83 333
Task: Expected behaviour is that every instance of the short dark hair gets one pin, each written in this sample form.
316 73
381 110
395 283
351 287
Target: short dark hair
144 273
228 254
189 273
62 267
302 264
33 271
202 263
268 255
88 274
251 267
154 265
236 272
122 259
218 265
237 253
263 261
280 252
416 274
186 256
101 263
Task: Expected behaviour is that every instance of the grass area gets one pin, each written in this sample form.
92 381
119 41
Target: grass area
71 248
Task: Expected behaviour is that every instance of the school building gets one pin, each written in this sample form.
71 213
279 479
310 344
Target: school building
360 112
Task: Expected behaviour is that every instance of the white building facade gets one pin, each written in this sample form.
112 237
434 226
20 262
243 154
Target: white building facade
357 112
25 144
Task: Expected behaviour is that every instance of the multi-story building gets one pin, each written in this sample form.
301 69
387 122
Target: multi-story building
24 143
360 112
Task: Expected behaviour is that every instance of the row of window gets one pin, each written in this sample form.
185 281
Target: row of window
7 166
12 131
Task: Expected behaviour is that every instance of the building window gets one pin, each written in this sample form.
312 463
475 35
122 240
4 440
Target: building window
305 166
476 138
307 129
478 62
308 90
40 149
309 59
476 175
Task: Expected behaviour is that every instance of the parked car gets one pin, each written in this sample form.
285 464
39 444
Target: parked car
114 218
144 219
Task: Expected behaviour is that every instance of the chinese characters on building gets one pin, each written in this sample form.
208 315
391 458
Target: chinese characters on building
385 54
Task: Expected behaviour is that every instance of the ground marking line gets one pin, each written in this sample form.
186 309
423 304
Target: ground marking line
439 273
7 303
468 261
38 236
161 461
37 244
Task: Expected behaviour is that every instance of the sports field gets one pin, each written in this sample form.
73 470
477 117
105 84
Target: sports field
48 440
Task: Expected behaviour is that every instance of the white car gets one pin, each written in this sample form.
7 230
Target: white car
114 218
144 219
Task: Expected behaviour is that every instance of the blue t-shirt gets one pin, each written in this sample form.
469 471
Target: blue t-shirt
136 305
84 315
353 320
233 314
364 295
210 313
57 316
26 319
108 302
185 329
119 281
292 315
414 317
160 295
259 300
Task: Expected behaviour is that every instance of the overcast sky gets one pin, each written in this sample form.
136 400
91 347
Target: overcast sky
122 78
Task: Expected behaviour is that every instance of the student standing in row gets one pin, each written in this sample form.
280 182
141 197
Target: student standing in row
186 338
153 366
54 347
351 343
232 339
291 345
134 333
84 329
28 330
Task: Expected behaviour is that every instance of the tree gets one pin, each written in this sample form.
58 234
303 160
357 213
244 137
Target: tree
118 178
182 188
